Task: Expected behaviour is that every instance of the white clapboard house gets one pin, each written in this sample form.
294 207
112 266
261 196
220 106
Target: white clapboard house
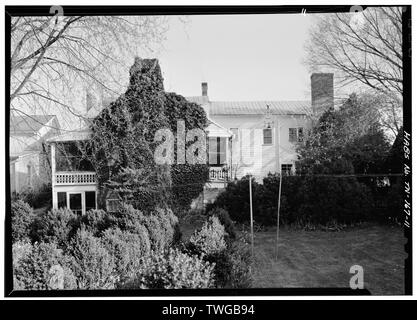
255 137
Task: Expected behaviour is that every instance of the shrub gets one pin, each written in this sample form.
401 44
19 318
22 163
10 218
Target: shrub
225 220
232 265
188 182
235 200
39 198
210 239
395 202
22 218
127 218
96 221
55 226
128 249
172 270
169 223
316 200
155 230
161 224
34 267
92 264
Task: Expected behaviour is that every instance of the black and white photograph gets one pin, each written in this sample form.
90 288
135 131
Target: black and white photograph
207 150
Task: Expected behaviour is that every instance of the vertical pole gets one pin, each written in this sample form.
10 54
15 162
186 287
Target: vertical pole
251 211
53 176
279 191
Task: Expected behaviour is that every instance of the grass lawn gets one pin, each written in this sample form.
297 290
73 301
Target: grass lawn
323 259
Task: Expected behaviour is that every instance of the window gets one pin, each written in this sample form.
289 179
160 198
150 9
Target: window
90 200
296 134
267 136
62 200
217 151
292 134
286 169
75 203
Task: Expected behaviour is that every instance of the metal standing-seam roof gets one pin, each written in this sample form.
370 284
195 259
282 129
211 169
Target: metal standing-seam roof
28 125
259 107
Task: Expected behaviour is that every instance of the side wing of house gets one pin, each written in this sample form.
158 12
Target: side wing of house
259 150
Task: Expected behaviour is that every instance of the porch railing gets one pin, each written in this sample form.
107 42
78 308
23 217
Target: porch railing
74 178
219 174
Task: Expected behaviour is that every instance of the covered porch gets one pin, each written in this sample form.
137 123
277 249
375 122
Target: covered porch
219 155
73 176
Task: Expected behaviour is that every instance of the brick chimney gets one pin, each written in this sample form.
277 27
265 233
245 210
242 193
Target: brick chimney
204 89
322 92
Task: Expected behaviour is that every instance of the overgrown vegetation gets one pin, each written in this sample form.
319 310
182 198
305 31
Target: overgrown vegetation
341 179
126 249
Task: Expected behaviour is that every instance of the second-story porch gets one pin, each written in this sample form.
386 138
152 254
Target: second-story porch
74 180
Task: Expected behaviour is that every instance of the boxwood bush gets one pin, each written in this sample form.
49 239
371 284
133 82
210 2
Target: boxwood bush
210 239
304 200
22 219
128 249
172 269
92 263
55 226
35 267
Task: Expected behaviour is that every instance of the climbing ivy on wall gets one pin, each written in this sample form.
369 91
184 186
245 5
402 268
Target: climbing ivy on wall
123 137
124 144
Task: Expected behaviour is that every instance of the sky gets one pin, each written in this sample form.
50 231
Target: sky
242 57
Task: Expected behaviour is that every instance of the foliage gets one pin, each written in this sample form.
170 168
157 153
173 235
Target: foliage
22 218
139 187
123 139
309 199
235 199
92 264
233 266
82 52
127 249
39 198
365 47
55 226
345 141
231 259
33 267
188 179
226 221
96 221
160 225
395 158
210 239
172 270
394 201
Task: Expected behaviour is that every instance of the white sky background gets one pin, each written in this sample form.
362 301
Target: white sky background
242 57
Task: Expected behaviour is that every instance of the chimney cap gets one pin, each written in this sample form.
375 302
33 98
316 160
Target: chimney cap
321 74
204 88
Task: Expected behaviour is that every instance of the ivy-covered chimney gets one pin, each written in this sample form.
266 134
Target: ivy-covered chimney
322 92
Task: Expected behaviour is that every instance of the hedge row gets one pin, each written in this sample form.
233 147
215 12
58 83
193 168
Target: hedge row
317 200
96 250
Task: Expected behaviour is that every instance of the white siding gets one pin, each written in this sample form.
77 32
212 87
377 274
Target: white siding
249 154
